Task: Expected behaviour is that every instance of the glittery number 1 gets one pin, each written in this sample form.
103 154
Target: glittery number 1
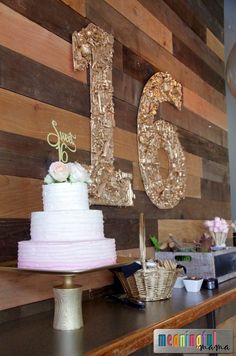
93 47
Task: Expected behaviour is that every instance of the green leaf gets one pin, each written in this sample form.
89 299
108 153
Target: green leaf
155 242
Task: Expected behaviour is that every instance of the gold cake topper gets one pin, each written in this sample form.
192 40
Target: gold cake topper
61 141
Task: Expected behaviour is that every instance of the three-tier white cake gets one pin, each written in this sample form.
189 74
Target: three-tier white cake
67 235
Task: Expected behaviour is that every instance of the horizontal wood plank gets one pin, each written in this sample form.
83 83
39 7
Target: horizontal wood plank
215 171
202 107
79 6
215 191
141 70
187 28
197 64
203 148
183 230
126 232
46 84
193 184
214 44
30 157
179 9
144 20
125 115
207 17
193 123
137 67
55 16
129 35
12 231
134 252
24 288
189 208
18 192
138 339
216 10
19 196
37 43
28 117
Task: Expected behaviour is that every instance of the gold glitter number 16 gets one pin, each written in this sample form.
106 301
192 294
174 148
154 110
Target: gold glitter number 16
92 46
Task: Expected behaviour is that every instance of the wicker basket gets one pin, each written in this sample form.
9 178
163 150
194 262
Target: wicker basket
155 284
149 284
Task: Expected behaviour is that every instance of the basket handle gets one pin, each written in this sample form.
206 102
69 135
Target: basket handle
142 241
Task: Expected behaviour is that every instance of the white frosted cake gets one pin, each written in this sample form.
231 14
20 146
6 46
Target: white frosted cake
66 235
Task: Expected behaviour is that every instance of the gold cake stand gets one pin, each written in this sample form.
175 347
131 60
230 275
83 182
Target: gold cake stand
67 296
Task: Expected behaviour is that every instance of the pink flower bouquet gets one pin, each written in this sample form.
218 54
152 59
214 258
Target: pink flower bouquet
218 229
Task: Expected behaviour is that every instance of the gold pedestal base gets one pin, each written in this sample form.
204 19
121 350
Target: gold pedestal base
68 306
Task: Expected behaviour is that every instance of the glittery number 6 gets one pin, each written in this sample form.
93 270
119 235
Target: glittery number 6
154 136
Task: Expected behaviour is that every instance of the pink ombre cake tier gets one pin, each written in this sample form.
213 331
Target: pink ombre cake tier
66 255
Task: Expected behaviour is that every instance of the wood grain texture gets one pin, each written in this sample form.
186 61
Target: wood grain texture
177 20
202 107
142 337
179 10
24 288
141 70
134 252
214 44
31 157
17 192
189 208
125 115
215 191
76 5
203 148
46 84
129 35
207 17
144 20
53 15
183 230
197 64
126 231
20 191
27 117
37 43
216 10
12 231
137 67
215 171
194 123
193 187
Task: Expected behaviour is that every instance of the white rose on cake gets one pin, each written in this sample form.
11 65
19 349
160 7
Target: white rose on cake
59 171
48 179
78 173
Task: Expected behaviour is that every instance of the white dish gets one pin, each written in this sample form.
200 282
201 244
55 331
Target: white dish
193 285
179 282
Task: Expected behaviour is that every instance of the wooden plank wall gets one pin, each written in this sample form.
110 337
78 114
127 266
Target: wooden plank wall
38 84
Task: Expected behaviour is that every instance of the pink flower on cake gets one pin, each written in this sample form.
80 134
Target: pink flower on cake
59 171
78 173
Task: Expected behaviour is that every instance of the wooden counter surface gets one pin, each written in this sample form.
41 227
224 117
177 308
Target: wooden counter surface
110 328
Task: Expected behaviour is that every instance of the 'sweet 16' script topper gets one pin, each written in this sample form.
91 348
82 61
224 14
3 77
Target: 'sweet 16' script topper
61 141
